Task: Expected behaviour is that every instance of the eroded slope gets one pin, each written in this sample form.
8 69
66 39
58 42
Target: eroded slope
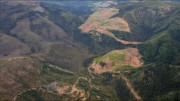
102 21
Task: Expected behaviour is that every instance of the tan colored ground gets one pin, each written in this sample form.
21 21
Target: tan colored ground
127 42
130 87
74 91
103 21
132 58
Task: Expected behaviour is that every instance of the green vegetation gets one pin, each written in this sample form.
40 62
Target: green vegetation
56 51
124 35
84 84
113 55
107 78
122 91
106 23
122 27
159 79
51 67
113 64
106 89
116 56
29 96
161 48
98 60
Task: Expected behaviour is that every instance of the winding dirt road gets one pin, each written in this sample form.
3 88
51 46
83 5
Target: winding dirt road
129 86
10 59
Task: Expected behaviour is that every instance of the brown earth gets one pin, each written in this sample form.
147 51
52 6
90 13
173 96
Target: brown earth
73 91
16 74
132 58
102 22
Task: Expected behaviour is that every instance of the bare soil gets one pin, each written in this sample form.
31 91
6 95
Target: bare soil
74 91
132 58
130 87
103 21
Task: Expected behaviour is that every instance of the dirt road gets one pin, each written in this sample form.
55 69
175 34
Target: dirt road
129 86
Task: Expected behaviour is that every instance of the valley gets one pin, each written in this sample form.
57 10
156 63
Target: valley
89 50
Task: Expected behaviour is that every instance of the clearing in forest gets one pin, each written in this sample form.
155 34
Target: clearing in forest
102 21
116 60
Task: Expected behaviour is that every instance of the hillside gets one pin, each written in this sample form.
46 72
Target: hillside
89 50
